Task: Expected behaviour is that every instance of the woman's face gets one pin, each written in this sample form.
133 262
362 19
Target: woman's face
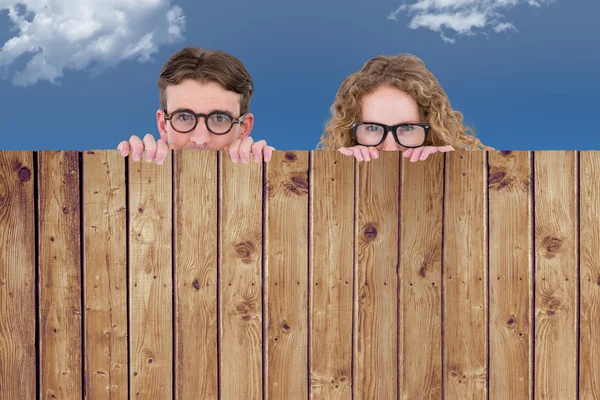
390 106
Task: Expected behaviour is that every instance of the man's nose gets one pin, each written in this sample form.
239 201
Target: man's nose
200 135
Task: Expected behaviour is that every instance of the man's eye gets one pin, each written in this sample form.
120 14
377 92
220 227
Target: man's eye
220 118
185 117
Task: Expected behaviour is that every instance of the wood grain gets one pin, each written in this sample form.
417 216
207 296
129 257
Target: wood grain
150 280
556 275
17 275
331 274
286 275
420 278
105 275
465 275
376 263
511 274
590 275
60 275
241 242
195 213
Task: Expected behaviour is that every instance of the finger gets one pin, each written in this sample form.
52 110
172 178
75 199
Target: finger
407 152
234 151
257 150
374 153
366 153
123 148
245 149
345 151
137 147
416 153
269 153
446 148
150 146
426 152
161 151
357 153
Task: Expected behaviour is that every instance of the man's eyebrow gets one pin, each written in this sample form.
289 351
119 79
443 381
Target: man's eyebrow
209 111
220 111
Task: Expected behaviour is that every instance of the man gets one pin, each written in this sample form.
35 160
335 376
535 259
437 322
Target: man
204 105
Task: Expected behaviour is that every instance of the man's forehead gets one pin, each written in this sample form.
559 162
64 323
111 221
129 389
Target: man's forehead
202 97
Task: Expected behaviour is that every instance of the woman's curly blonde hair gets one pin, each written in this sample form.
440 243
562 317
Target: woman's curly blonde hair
407 73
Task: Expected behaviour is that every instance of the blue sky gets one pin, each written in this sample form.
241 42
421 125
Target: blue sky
524 73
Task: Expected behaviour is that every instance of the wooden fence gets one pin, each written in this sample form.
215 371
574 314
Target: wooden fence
471 275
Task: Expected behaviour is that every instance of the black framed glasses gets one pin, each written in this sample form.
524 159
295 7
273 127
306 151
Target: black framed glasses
217 122
406 135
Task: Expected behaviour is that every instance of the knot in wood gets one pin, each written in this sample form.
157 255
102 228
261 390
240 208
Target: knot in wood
499 180
244 251
290 156
370 232
297 184
553 246
24 174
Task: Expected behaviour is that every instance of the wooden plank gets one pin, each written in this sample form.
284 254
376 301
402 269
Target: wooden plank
420 312
590 275
556 274
105 275
240 279
465 275
195 213
511 274
17 275
375 263
286 275
150 280
59 275
331 274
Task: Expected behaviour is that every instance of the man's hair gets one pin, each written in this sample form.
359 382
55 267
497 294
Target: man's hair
206 66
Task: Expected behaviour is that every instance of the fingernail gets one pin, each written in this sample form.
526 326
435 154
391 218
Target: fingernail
256 158
136 158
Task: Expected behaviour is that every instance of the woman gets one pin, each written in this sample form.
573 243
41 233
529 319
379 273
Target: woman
395 103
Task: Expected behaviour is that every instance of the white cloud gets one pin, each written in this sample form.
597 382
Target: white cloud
461 17
56 35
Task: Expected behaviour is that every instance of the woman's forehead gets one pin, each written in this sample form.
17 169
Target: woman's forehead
389 106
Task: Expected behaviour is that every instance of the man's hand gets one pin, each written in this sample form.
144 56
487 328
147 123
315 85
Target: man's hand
155 151
363 153
243 149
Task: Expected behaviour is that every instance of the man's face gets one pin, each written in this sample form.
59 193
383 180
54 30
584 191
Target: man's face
202 98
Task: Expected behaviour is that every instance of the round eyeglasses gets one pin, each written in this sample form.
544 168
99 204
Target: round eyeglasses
217 122
406 135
